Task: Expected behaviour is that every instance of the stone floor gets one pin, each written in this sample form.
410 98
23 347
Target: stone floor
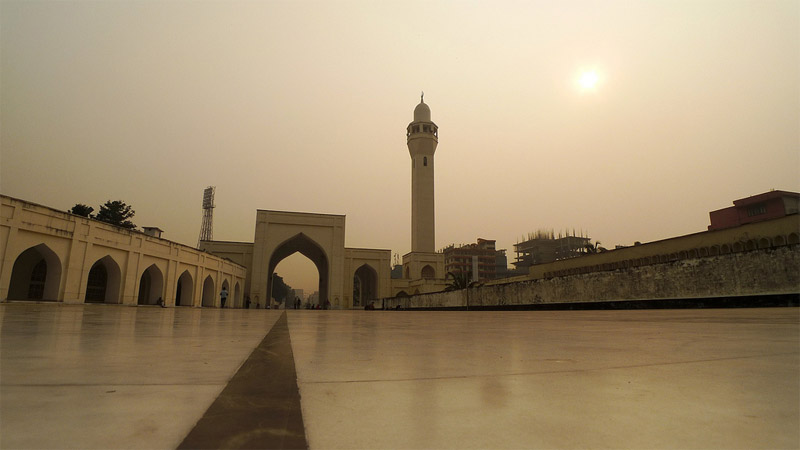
100 376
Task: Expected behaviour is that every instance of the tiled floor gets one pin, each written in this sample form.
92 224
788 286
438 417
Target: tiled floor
121 377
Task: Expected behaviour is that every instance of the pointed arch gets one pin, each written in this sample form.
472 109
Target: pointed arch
310 249
103 281
151 286
184 290
36 275
209 295
365 285
428 272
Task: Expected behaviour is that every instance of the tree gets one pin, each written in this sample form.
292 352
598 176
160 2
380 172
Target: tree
460 281
280 290
82 210
116 213
596 248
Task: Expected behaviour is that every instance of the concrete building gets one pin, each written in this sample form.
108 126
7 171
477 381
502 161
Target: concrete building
543 247
757 208
479 259
52 255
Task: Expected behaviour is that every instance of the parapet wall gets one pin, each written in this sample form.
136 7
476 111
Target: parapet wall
759 272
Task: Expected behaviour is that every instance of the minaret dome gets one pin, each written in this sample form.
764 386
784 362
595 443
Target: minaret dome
422 113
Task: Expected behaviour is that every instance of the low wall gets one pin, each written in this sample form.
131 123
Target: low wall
765 272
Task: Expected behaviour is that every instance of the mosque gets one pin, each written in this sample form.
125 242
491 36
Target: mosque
47 254
320 238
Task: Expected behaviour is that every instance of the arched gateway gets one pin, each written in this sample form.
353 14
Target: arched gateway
318 237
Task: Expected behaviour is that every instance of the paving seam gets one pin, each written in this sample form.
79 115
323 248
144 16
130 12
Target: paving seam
260 406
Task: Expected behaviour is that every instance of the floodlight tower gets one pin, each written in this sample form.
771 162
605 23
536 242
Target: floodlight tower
207 227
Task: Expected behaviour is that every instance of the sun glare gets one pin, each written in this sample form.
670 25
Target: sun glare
588 80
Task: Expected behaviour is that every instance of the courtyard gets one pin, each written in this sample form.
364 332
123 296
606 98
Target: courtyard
108 376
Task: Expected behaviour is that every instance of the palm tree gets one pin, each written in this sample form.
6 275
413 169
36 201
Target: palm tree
460 281
596 248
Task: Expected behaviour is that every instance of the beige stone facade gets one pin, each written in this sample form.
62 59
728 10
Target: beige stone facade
423 268
320 238
51 255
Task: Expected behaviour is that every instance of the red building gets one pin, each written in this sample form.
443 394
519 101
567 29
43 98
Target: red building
769 205
464 258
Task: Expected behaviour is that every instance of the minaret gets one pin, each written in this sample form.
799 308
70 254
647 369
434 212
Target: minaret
423 137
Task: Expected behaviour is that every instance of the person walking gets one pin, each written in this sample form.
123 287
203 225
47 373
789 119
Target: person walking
223 295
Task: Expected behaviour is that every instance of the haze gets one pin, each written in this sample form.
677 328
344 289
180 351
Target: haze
302 106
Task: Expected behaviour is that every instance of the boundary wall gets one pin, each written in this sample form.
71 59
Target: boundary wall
759 272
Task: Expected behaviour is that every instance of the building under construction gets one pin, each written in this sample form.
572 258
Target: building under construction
543 247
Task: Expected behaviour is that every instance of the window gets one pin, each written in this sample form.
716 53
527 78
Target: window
425 161
757 210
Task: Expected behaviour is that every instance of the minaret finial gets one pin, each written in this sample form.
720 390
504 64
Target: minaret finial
422 97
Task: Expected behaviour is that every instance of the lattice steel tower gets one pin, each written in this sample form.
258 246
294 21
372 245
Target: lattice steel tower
207 227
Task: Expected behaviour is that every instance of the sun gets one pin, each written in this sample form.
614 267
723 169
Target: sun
588 80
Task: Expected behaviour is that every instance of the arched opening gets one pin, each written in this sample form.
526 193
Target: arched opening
225 292
208 292
151 286
793 238
401 294
724 249
407 273
714 250
365 285
102 284
750 245
237 296
738 247
779 240
428 272
36 275
703 251
764 243
300 243
184 290
692 253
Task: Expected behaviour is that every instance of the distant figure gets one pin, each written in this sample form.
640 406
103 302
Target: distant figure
246 302
223 295
160 302
327 304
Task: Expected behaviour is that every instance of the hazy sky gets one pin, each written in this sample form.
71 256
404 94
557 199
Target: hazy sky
302 106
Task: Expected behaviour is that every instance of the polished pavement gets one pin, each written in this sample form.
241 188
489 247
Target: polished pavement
99 376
